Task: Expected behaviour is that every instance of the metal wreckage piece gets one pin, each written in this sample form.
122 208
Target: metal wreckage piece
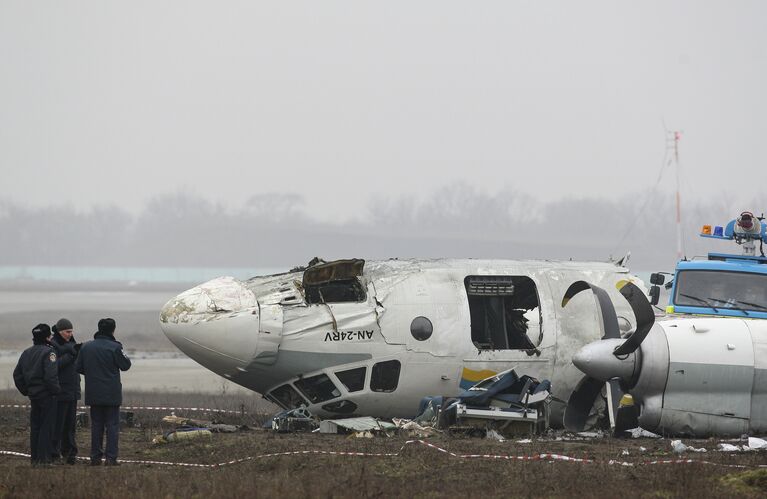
507 403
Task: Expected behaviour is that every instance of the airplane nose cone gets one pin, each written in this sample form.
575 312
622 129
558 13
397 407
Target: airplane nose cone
215 323
597 361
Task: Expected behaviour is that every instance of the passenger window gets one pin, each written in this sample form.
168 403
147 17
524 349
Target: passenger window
385 376
318 388
353 379
505 312
287 397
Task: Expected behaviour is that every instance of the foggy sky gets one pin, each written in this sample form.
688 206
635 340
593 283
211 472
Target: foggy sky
107 102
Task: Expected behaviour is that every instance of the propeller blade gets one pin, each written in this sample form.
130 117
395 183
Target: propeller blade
608 318
642 311
581 401
573 290
614 395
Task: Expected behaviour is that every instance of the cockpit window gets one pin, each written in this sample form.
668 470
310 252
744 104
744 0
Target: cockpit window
353 379
318 388
287 397
721 289
334 282
385 376
505 312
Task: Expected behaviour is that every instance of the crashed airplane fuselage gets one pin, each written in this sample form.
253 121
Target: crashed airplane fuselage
350 337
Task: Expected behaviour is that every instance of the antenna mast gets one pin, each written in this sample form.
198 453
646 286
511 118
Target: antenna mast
673 141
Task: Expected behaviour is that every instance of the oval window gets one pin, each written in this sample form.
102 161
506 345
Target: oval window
421 328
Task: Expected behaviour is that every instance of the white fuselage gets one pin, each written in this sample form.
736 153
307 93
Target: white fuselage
263 335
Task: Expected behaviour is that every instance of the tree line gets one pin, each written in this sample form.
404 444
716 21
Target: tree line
277 229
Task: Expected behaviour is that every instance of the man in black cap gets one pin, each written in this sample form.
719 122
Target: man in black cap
64 443
101 361
36 376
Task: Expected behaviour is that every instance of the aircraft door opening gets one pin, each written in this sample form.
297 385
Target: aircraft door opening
505 312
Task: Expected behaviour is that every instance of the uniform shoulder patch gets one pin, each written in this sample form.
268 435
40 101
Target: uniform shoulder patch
52 357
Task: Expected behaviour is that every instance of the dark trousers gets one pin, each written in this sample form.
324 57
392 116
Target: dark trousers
64 443
42 420
104 418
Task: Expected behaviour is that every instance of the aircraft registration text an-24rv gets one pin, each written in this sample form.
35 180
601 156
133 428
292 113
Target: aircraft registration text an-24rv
373 338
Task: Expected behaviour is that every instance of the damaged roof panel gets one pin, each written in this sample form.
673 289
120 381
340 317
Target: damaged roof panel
333 271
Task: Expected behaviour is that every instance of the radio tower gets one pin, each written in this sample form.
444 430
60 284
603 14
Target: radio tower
672 141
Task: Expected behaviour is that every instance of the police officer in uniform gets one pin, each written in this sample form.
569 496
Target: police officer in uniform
36 376
64 443
101 361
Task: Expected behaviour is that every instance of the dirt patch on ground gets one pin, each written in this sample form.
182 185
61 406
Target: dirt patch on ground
415 470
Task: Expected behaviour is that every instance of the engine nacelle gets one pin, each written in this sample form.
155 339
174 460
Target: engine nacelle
704 376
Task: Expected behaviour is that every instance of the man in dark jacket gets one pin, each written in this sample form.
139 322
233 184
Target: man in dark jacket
36 376
101 361
64 443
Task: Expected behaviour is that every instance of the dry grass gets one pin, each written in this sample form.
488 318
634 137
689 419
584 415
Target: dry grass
418 471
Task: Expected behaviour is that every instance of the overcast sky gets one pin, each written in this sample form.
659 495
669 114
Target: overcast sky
340 102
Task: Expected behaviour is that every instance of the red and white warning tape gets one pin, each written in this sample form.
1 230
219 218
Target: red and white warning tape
142 408
536 457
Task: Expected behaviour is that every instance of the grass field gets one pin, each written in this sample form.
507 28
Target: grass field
417 471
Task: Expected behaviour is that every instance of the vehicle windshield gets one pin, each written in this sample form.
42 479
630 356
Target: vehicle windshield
719 289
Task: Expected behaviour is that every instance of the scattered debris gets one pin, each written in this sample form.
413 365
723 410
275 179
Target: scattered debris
625 452
182 433
198 423
525 441
590 434
494 435
505 402
223 428
681 448
428 411
752 445
729 448
293 420
414 429
362 434
350 425
173 419
642 433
